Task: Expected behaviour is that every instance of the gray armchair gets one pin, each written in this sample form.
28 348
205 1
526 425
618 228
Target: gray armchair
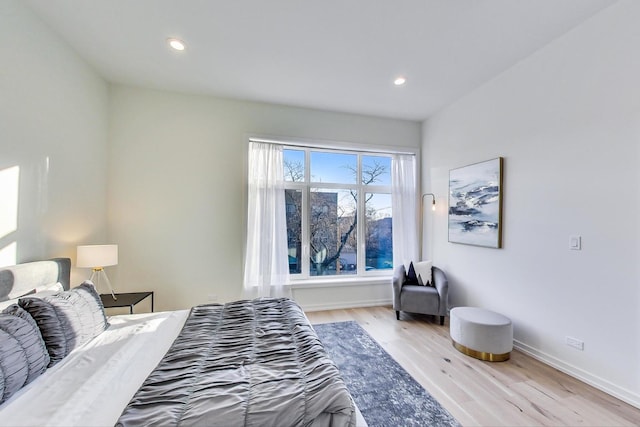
421 299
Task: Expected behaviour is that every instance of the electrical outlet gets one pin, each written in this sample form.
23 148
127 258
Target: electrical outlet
575 243
212 297
574 342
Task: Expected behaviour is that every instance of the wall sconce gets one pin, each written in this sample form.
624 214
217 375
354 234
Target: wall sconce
97 257
433 208
433 203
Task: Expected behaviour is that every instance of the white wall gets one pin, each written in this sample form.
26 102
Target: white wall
567 122
53 128
177 190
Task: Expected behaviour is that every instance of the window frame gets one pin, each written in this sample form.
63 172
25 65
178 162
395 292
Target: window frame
361 189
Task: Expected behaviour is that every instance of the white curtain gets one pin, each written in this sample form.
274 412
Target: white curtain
266 270
405 215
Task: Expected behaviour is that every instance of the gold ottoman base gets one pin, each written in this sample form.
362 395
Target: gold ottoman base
489 357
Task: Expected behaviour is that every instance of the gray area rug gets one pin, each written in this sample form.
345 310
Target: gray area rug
384 392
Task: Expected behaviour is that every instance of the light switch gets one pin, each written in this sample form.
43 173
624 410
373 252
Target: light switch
575 243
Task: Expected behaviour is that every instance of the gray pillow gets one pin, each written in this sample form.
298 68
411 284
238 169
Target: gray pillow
13 364
68 319
87 291
50 327
20 325
16 310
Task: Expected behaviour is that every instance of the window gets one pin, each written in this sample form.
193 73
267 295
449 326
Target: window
338 212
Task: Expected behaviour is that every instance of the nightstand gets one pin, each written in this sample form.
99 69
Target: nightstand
127 299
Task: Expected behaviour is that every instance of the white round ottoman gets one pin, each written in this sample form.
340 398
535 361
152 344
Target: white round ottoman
481 333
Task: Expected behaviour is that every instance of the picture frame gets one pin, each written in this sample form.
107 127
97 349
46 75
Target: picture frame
475 204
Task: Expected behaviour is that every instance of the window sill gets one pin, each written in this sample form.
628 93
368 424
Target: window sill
340 282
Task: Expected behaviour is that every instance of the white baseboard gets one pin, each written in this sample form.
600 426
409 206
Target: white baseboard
600 383
349 304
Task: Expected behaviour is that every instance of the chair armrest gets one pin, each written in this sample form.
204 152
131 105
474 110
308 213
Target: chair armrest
397 282
441 283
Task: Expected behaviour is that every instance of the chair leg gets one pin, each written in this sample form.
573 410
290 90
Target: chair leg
397 315
441 320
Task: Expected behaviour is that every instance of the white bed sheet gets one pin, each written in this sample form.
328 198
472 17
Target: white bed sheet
93 384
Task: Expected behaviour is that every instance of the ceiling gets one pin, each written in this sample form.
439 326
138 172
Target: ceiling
339 55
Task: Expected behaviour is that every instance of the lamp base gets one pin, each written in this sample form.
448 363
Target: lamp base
98 276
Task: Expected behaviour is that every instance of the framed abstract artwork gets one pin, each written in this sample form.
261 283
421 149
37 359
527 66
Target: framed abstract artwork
475 204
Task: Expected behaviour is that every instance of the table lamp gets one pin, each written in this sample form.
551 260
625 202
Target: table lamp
97 257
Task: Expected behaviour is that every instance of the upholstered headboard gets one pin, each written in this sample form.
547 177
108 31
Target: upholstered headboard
23 278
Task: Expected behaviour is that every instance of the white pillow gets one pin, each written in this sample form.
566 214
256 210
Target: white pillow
423 272
39 292
49 289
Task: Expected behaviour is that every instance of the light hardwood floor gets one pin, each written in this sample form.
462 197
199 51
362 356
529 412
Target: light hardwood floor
519 392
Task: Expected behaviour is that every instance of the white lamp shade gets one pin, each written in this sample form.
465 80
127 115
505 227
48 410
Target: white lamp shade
91 256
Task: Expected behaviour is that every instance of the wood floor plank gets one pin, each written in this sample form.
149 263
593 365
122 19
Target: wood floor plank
519 392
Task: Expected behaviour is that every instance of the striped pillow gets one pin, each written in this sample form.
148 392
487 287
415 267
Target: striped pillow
23 356
13 364
68 319
30 339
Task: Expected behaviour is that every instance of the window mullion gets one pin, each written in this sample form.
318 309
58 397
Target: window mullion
306 239
361 218
305 233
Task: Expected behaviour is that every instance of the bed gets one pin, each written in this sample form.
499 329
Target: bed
255 362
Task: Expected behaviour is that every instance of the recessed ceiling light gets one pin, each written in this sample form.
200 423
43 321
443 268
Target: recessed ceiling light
399 81
176 44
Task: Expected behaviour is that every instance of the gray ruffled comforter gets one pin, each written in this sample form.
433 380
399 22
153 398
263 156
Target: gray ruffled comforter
246 363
